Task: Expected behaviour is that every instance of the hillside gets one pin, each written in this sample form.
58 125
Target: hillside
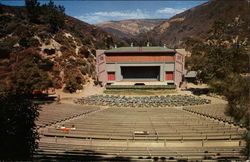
195 22
64 54
129 28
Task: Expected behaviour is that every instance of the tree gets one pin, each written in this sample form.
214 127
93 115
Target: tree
216 57
221 62
33 10
55 16
18 133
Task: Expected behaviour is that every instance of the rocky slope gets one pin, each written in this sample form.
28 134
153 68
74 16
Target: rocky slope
129 28
67 53
196 22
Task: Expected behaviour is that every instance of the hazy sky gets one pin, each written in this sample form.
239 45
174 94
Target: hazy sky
96 11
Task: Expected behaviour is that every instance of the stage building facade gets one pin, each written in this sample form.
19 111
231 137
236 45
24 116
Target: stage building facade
137 65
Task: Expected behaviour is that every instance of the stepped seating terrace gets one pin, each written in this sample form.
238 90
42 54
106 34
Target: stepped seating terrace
171 134
53 113
216 111
197 153
160 123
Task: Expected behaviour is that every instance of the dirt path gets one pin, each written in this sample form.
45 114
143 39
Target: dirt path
88 90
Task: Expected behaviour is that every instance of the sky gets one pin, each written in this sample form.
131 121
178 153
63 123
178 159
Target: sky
96 11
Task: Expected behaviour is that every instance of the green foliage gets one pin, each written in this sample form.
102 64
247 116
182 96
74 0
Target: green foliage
48 13
9 42
29 42
17 134
220 61
109 42
4 52
66 42
54 16
236 89
72 83
30 76
33 10
46 65
97 82
224 52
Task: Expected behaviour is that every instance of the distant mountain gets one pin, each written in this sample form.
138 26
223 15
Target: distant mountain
67 54
195 22
130 28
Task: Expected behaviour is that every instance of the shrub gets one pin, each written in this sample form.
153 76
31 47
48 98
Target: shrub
29 42
44 35
28 75
97 82
46 65
57 82
84 51
67 42
73 80
11 27
9 42
4 52
73 83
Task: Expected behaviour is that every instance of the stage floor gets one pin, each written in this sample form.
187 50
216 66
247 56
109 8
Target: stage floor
142 82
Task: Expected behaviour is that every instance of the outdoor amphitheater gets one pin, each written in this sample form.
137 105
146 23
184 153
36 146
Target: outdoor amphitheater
153 128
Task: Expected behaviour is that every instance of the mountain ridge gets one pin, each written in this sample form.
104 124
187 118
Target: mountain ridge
195 22
130 27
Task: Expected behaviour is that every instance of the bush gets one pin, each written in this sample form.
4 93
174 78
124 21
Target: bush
57 82
73 83
28 75
67 42
46 65
97 82
84 51
44 36
11 27
9 42
29 42
73 80
4 52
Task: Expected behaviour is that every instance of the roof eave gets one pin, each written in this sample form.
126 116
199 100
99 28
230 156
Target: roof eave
140 52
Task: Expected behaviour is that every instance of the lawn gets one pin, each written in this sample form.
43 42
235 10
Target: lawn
139 91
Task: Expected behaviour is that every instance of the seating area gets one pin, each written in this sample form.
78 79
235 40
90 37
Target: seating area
109 153
142 101
131 134
159 123
54 113
215 111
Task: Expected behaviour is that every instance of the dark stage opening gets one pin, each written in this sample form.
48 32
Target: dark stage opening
140 72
